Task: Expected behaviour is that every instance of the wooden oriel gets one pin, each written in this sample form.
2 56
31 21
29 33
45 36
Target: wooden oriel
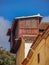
26 27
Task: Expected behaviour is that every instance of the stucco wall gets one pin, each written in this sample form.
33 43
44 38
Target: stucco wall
47 51
43 50
20 54
38 53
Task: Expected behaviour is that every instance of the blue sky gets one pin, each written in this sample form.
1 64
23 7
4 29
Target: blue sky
13 8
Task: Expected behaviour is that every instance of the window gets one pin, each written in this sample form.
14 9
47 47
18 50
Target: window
22 24
38 58
35 31
34 24
28 31
41 30
28 23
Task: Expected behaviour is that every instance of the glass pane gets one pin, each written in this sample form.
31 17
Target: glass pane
28 23
22 24
34 24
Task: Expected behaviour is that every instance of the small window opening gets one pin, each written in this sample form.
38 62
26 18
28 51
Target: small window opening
38 58
41 30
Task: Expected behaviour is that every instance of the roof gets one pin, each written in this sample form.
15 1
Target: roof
35 44
38 15
43 25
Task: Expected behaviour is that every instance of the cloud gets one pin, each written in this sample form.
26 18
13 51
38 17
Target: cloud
4 25
45 19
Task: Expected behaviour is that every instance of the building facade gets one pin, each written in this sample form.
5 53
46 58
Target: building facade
26 27
39 51
25 30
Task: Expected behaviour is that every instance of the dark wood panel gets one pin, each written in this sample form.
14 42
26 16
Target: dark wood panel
28 31
28 23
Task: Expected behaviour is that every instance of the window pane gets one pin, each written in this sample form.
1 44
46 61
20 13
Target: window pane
28 23
22 24
34 24
28 31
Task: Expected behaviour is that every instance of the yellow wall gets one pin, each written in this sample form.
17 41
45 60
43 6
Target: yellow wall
47 51
20 54
43 50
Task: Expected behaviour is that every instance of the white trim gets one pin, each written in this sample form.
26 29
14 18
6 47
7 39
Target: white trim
29 35
38 15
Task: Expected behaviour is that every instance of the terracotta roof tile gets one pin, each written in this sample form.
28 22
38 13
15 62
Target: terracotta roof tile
43 25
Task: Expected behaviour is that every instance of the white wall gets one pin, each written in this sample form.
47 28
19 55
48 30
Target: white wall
27 47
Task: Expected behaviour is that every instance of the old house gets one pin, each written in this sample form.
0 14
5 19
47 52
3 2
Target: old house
25 30
39 50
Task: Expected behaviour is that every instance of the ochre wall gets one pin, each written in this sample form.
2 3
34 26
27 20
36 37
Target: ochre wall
20 54
47 51
43 50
